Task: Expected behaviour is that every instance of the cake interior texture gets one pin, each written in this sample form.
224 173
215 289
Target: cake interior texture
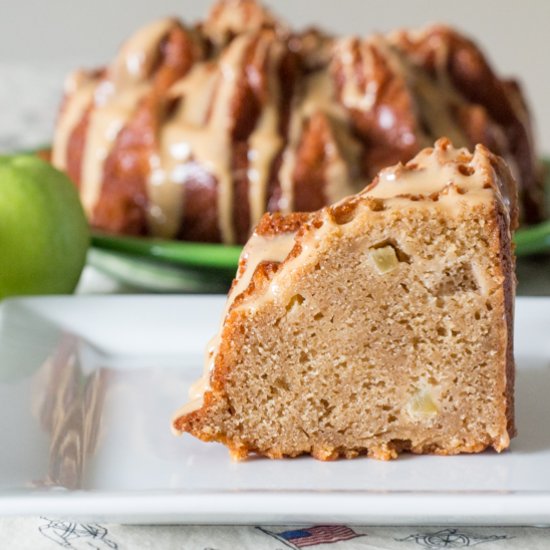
387 328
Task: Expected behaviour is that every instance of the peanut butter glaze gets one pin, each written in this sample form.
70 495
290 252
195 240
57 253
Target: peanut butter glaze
259 249
431 171
199 130
112 111
452 177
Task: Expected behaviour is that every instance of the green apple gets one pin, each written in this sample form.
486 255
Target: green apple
44 235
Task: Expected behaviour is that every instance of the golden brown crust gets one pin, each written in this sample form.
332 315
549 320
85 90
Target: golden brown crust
507 221
509 290
277 223
230 18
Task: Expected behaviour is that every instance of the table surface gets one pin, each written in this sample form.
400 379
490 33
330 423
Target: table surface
35 94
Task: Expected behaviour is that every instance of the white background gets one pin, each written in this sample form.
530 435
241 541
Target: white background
54 36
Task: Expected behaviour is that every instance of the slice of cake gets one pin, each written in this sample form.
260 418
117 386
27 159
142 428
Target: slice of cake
379 325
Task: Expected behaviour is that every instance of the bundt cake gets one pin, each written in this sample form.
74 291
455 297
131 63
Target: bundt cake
378 325
194 132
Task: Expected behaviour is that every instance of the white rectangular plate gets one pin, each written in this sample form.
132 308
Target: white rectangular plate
88 386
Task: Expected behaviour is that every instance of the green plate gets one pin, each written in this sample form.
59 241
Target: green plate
157 265
174 266
143 274
535 239
194 255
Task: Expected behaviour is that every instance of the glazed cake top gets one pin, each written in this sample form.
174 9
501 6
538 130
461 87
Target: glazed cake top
343 81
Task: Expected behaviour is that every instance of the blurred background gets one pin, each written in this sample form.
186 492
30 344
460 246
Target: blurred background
40 41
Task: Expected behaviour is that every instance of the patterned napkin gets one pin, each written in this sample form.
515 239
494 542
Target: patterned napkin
49 533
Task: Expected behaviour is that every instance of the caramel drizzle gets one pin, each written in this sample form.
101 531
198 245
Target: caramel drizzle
318 95
114 99
169 166
79 91
433 97
191 135
265 141
206 141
